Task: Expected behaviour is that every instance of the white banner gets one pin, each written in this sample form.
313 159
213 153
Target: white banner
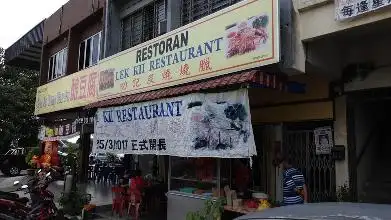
194 125
351 8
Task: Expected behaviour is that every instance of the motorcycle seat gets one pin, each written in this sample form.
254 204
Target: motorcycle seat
23 200
9 194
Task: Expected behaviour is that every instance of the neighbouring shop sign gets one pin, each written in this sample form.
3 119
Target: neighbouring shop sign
195 125
243 36
323 139
351 8
62 130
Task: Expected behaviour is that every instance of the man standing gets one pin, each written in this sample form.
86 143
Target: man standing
294 187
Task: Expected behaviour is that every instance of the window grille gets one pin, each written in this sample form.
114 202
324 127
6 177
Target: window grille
142 25
57 64
89 51
193 10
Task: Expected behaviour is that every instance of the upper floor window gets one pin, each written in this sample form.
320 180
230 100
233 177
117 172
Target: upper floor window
195 9
89 51
144 24
58 64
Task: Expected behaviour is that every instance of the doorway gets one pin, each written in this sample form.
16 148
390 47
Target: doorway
369 121
318 170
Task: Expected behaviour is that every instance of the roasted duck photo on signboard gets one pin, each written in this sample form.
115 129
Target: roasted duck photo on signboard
218 126
247 36
106 79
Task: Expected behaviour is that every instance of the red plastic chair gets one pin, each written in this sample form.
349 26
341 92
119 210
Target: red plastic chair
135 200
118 200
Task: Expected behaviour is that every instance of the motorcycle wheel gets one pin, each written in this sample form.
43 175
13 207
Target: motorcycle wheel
13 171
6 217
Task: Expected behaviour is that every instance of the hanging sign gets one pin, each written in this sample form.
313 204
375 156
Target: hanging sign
62 130
351 8
194 125
323 140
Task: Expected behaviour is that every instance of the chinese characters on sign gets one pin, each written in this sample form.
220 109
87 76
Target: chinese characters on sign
134 145
82 87
351 8
63 130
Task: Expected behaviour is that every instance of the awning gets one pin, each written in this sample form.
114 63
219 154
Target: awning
26 52
254 77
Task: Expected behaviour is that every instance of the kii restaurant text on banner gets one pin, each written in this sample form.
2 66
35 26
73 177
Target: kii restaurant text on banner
240 37
194 125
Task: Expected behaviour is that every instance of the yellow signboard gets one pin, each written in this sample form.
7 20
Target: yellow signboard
243 36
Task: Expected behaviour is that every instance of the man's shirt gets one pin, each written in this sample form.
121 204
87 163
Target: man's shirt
293 181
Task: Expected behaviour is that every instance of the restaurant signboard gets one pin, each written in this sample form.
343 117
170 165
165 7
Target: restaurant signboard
193 125
243 36
63 129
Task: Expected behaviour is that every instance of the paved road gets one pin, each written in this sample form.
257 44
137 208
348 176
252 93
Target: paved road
6 183
101 193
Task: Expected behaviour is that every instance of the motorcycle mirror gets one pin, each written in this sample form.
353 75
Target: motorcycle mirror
16 183
25 187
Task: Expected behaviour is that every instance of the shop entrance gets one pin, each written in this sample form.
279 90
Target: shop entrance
318 170
264 171
369 139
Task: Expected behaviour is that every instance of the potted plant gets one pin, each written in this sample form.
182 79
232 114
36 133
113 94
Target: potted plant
212 210
72 164
344 194
73 202
34 152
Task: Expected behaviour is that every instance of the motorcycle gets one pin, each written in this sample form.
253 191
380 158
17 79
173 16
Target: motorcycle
42 201
13 196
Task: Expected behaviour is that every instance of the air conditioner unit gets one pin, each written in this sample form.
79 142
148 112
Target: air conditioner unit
162 27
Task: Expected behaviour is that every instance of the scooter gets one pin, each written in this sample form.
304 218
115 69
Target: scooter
42 205
13 196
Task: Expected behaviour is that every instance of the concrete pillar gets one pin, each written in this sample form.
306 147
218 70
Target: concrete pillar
279 169
44 65
173 14
340 138
73 51
85 143
112 36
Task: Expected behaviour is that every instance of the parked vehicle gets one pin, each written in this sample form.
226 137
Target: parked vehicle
13 196
99 157
42 201
13 162
324 211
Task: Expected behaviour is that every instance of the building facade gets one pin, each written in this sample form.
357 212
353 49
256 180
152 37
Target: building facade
87 44
349 48
72 39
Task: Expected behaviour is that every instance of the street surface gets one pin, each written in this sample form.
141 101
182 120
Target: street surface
6 183
101 193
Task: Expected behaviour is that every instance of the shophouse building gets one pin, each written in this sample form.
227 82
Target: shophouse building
346 41
90 50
